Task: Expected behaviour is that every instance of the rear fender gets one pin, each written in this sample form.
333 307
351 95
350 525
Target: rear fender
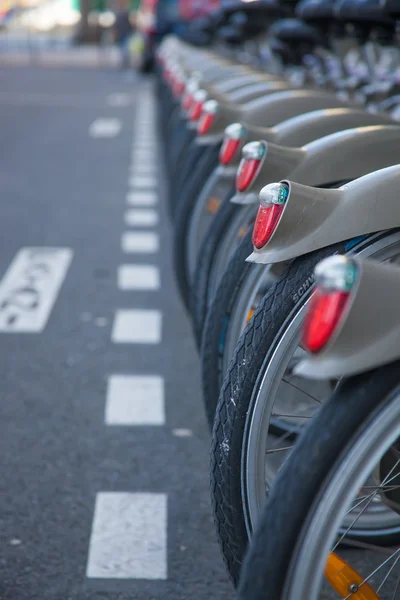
336 157
252 134
370 334
270 109
314 218
278 162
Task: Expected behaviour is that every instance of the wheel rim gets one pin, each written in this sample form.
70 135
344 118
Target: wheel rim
201 217
258 471
305 575
231 239
258 279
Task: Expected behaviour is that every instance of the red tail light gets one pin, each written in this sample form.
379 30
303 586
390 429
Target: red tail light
207 118
335 279
253 157
179 85
273 198
187 102
188 97
199 98
233 136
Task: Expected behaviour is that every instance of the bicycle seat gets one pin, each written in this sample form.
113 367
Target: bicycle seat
365 16
267 9
231 35
359 11
392 8
296 32
316 11
251 24
284 51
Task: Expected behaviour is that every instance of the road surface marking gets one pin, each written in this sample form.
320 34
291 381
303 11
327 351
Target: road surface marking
119 99
142 170
144 155
150 166
182 432
145 151
137 327
105 128
138 277
143 182
145 139
30 287
129 537
141 217
135 400
142 198
141 242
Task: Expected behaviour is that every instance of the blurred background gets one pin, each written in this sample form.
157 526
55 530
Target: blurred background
111 30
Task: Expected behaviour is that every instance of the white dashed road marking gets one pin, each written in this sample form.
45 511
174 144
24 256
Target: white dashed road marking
135 400
144 169
142 198
137 327
143 155
182 432
30 287
129 537
138 277
143 182
105 128
141 242
141 217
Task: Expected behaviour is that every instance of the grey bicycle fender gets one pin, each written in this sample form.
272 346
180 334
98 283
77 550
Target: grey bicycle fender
252 134
270 109
314 218
279 162
370 333
236 82
249 92
336 157
300 130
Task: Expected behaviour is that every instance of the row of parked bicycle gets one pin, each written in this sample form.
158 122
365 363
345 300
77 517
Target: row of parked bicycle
283 153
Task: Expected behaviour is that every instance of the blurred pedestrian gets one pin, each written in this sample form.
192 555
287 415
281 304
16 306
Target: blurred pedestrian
123 31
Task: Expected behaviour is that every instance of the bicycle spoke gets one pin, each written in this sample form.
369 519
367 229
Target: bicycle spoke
290 416
275 450
302 391
397 553
368 503
387 574
396 588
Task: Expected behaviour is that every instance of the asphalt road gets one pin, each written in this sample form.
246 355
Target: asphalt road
60 187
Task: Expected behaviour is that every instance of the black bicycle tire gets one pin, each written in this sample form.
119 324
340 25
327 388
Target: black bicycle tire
354 403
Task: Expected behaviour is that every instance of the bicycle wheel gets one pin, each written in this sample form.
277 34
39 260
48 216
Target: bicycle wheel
346 462
226 231
239 292
262 407
186 242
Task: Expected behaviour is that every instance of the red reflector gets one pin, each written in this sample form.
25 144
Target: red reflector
323 315
179 88
187 102
195 111
205 122
228 150
265 224
246 173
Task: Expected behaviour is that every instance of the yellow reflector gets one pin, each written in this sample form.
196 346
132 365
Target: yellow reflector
250 314
213 204
346 581
242 232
